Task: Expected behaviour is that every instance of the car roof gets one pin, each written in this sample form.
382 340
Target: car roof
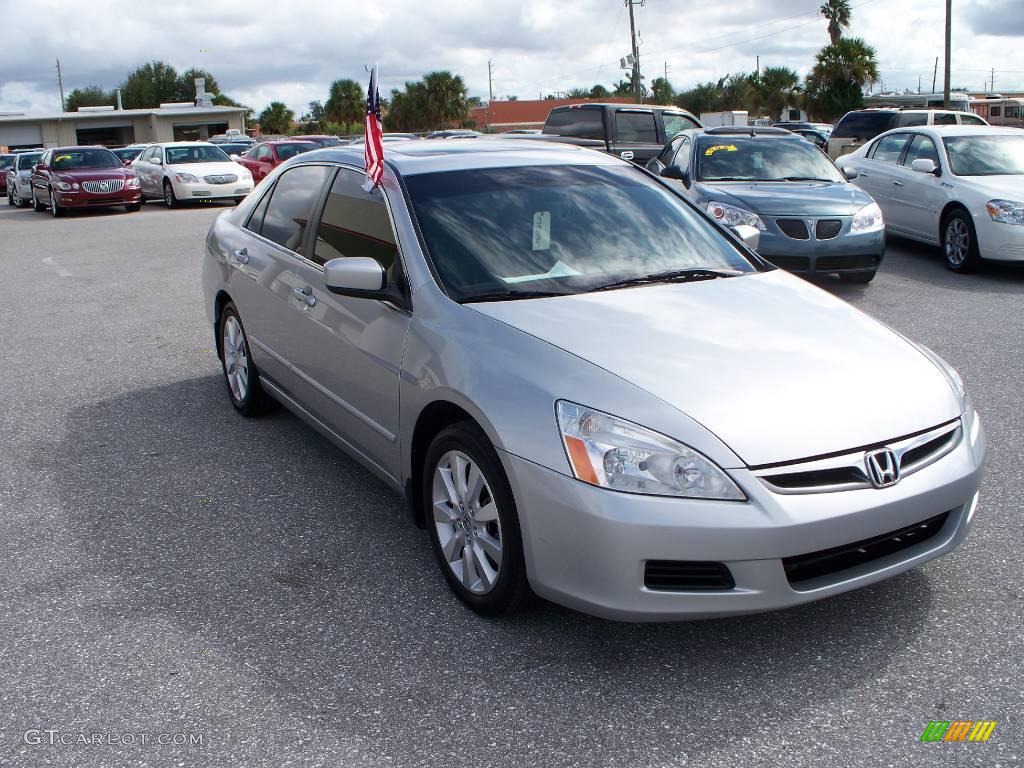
619 105
959 130
77 147
418 156
185 144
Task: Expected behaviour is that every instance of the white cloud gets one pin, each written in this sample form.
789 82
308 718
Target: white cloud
261 51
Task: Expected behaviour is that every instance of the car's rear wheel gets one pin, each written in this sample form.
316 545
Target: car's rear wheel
10 197
170 200
472 520
959 242
240 375
36 205
55 210
857 277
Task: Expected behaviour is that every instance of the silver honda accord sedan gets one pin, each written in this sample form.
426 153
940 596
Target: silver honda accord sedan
585 387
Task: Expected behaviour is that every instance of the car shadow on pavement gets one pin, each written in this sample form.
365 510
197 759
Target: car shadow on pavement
259 541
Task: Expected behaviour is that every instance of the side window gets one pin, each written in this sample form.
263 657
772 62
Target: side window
355 223
158 153
921 148
291 205
912 118
996 111
682 158
578 123
1013 111
263 153
966 119
636 127
255 222
665 157
675 123
945 118
889 148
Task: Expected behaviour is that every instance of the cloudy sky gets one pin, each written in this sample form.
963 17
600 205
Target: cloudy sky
261 51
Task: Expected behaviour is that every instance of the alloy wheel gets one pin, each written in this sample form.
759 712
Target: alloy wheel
467 523
958 241
236 362
53 205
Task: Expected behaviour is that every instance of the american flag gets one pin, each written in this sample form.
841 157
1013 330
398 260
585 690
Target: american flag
373 148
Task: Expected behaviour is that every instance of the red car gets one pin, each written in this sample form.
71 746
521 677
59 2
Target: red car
321 140
6 163
83 177
265 157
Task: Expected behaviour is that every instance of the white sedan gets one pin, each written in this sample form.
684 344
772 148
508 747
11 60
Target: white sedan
961 187
190 170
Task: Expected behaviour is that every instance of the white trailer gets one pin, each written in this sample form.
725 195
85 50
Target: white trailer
736 117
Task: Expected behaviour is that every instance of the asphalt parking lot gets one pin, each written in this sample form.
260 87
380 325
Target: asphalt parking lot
170 568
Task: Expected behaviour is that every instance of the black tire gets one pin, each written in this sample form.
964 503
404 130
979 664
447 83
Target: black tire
55 210
254 401
170 200
133 207
36 205
511 590
862 278
959 242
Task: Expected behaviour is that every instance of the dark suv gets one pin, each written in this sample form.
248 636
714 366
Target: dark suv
862 125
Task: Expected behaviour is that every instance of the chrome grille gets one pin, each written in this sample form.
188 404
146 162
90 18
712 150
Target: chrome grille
228 179
103 186
849 471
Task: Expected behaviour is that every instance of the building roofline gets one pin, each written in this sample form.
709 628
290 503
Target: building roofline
115 113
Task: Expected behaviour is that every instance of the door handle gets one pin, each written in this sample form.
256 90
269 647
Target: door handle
240 255
862 174
306 295
897 183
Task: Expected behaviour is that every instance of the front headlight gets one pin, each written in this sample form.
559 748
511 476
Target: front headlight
731 216
868 219
1005 211
186 178
64 186
133 183
613 453
246 175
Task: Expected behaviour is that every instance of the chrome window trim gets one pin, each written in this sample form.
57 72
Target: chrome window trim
854 461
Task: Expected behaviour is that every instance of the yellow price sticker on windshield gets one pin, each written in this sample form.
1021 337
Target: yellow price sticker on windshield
58 158
727 147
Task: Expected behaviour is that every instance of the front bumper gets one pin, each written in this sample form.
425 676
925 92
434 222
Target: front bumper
587 547
205 191
846 252
81 199
998 241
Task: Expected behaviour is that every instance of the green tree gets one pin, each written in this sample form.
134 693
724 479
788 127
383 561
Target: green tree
276 118
661 91
599 92
187 84
346 103
841 71
90 96
150 85
578 93
774 88
446 99
838 14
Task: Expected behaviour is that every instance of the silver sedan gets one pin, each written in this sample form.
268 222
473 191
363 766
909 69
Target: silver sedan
585 387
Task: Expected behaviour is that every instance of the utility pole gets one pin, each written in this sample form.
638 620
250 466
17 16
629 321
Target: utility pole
992 81
490 95
60 83
638 93
758 67
935 73
949 46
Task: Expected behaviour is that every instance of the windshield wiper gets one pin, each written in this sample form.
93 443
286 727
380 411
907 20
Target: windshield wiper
729 178
673 276
801 178
511 296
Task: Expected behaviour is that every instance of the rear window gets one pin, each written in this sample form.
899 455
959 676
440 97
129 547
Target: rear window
577 123
27 161
863 125
912 118
6 161
674 123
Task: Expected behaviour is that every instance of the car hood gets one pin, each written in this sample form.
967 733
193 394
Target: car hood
790 198
1007 187
778 369
207 169
92 174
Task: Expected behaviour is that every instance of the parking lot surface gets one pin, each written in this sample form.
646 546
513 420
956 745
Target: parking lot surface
172 569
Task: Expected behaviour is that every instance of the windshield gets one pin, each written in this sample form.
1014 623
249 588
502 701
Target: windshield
202 153
27 161
742 158
985 155
74 159
284 151
559 229
6 161
127 154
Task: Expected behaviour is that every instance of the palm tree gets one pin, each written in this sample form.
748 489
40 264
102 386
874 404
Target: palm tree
840 73
599 92
446 99
276 118
661 91
346 103
774 88
838 14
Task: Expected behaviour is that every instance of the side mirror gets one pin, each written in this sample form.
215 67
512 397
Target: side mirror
750 236
126 163
925 165
233 157
157 161
358 276
677 173
850 173
40 167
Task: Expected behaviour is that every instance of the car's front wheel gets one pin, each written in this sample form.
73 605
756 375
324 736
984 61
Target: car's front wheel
472 520
55 210
240 375
170 199
959 242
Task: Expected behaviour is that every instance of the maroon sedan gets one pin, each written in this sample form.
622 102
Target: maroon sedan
83 177
265 157
6 163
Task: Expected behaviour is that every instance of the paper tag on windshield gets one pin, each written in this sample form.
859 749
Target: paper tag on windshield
542 230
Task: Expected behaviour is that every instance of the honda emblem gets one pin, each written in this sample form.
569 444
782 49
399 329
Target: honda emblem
883 468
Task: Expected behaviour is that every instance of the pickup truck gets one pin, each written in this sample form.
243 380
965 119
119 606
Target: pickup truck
634 132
